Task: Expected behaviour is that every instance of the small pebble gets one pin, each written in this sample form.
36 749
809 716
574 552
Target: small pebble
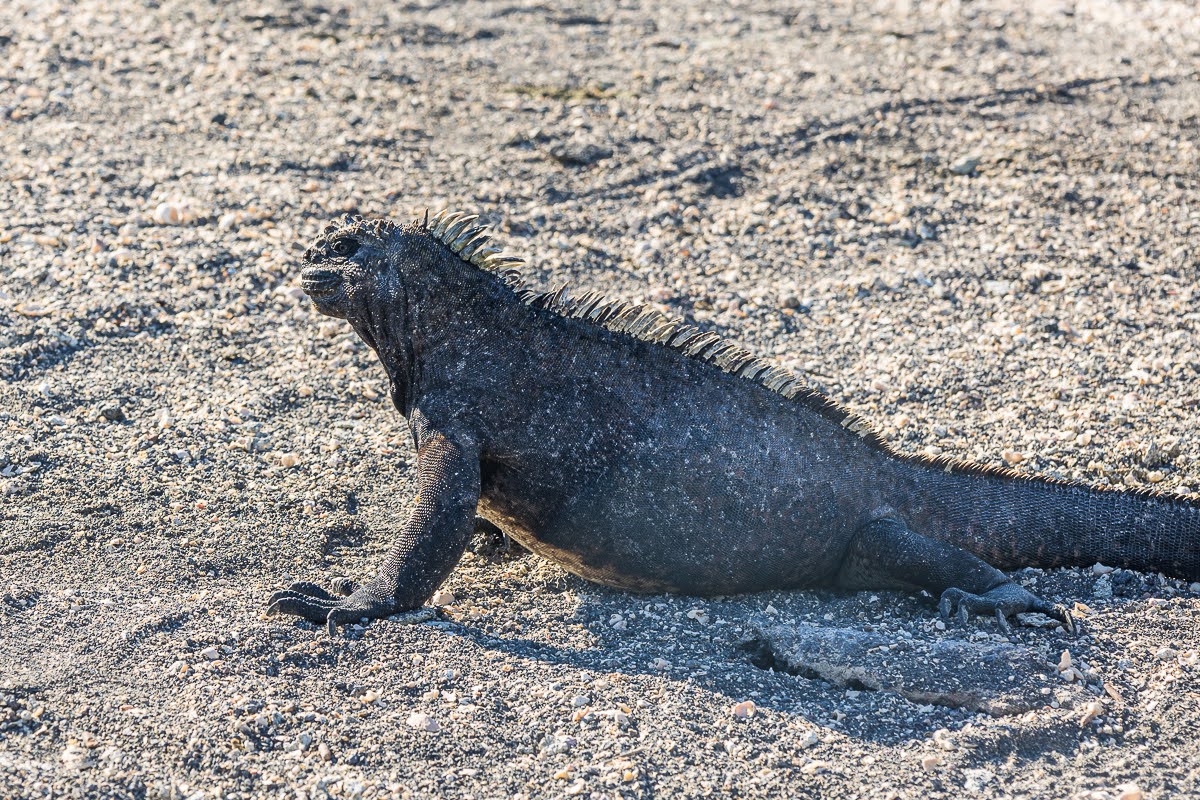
745 709
1090 712
965 165
175 213
1129 791
1167 654
423 722
442 598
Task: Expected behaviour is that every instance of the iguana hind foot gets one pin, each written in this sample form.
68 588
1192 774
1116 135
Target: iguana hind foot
886 552
315 604
1003 601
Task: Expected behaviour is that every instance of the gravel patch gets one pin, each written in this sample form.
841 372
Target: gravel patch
974 223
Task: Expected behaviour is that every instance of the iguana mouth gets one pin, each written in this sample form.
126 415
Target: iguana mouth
318 283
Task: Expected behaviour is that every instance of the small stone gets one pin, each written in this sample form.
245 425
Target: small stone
33 310
745 709
1064 661
943 740
1101 569
1167 654
210 653
112 412
1129 791
930 762
370 696
289 460
74 756
1090 712
175 213
815 768
442 598
965 165
324 752
809 739
580 700
1013 457
423 722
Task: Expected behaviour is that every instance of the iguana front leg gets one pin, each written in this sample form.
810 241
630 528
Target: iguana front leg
429 546
886 554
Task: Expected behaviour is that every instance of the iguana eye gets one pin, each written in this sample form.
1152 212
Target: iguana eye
344 247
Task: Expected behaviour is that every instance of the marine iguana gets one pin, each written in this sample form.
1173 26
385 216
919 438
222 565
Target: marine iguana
642 453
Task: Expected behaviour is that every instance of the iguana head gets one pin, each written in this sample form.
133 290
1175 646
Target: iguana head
347 267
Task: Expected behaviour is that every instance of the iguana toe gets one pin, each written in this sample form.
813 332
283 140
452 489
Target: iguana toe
305 588
313 609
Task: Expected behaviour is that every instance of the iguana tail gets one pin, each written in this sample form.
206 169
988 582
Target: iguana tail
1014 521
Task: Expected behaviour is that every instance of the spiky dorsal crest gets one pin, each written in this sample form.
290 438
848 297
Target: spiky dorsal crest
470 242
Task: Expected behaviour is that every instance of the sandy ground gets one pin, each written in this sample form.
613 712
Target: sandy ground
975 223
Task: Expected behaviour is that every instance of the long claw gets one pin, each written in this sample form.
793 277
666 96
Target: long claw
1064 614
1002 621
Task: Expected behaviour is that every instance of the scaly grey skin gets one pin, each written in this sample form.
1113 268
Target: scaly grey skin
644 454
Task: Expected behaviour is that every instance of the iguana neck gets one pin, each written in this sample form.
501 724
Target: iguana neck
389 337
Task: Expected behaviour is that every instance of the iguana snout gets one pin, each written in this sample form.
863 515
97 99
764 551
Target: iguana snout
319 283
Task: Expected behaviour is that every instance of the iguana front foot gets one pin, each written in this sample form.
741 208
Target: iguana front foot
316 604
1001 601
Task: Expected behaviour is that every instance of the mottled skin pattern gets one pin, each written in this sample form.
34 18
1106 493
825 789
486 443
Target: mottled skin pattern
637 466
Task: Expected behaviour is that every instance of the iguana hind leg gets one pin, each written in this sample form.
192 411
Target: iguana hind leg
885 554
